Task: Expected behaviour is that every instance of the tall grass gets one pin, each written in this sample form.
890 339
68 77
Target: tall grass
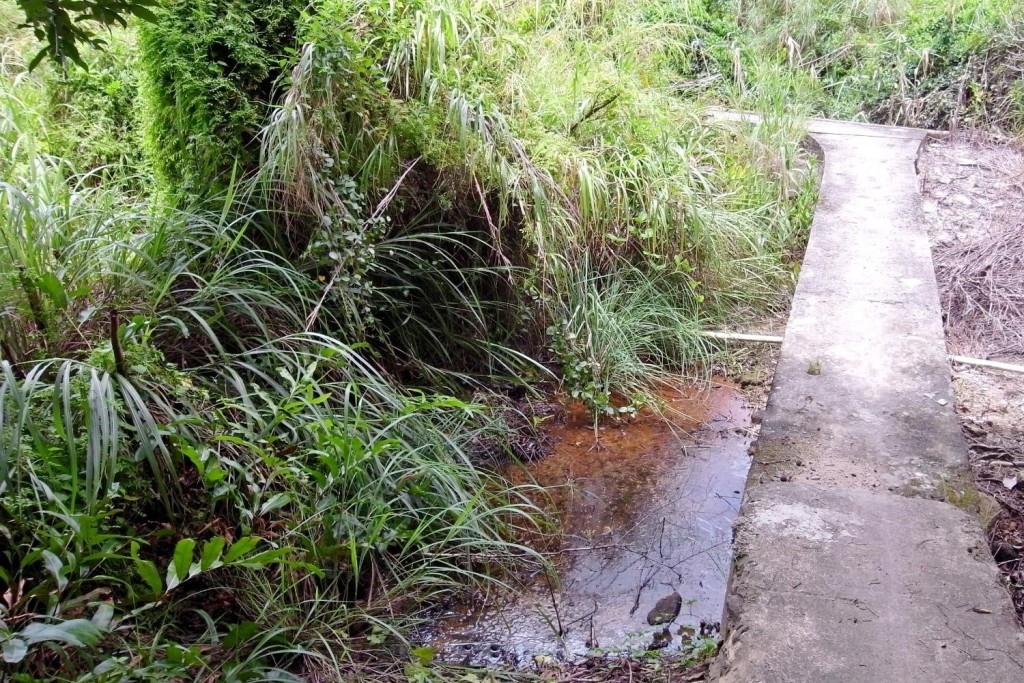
235 438
552 129
158 371
618 333
910 62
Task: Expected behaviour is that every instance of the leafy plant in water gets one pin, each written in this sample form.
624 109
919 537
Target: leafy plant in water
626 332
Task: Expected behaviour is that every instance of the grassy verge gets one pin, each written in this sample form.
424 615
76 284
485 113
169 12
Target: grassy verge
907 62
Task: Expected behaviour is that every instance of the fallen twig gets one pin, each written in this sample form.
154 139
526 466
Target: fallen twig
982 363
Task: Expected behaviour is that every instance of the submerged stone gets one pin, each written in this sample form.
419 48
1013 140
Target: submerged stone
665 610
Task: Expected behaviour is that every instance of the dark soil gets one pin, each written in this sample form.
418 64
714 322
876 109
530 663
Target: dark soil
973 188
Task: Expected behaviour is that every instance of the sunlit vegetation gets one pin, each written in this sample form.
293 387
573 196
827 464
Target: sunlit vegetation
908 62
276 276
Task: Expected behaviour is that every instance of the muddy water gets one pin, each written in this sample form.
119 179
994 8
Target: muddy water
645 511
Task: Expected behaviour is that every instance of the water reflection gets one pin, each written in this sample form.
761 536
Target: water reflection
645 512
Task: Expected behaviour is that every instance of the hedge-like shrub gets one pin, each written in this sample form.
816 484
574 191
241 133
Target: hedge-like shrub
211 68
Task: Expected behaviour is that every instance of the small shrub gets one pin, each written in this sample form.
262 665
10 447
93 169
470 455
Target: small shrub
94 118
618 334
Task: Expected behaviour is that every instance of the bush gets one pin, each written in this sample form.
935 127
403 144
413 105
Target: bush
916 62
94 116
210 70
617 334
184 432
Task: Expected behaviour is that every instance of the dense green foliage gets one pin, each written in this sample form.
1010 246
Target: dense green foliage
575 155
277 279
94 114
65 26
210 69
910 62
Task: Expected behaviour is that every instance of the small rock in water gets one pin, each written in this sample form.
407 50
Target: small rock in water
665 610
709 628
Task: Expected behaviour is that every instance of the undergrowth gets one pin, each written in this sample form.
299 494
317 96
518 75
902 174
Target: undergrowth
908 62
273 276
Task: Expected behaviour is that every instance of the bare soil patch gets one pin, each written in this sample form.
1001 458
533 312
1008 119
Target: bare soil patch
973 187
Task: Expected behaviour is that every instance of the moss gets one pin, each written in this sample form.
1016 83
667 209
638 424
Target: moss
960 491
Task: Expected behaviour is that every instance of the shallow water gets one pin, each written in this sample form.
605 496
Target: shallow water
644 512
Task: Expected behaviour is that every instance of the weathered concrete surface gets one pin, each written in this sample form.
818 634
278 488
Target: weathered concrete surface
866 310
845 570
857 586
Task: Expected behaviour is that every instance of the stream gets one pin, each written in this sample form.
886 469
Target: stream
645 513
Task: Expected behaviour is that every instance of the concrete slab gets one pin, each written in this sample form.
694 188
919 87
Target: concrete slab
849 565
833 585
863 379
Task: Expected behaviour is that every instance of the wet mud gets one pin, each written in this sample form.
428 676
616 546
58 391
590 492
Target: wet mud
645 513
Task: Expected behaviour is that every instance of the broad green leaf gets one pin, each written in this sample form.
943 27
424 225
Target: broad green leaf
172 577
260 560
104 615
240 633
51 285
143 13
55 567
212 551
183 556
14 650
241 547
76 632
278 500
147 570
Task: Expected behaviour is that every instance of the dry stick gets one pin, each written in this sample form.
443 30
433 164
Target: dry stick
994 364
592 110
641 585
554 606
7 353
115 343
661 539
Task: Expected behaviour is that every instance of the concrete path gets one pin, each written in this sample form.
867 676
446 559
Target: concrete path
849 564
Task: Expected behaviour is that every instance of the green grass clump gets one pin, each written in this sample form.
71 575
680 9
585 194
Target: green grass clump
907 62
617 332
169 426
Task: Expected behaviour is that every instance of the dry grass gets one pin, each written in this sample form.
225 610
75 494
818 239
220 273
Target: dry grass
982 282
